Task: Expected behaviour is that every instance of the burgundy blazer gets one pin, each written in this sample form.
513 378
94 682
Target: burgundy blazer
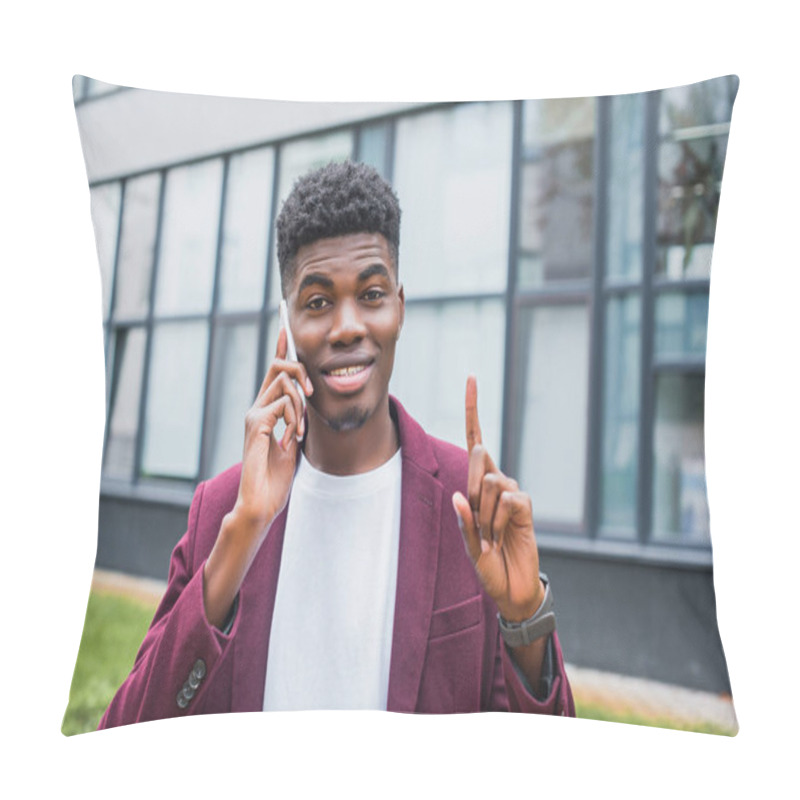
447 655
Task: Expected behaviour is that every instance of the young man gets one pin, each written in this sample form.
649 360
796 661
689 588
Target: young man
356 562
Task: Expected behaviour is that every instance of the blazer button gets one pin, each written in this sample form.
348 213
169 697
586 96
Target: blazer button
181 700
193 681
199 670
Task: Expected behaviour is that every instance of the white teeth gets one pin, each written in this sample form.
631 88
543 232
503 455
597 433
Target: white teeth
343 371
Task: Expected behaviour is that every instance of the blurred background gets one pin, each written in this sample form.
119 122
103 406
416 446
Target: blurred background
558 249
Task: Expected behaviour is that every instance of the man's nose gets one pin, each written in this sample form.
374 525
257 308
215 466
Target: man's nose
348 325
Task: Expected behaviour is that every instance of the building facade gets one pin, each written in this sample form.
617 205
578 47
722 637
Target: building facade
558 249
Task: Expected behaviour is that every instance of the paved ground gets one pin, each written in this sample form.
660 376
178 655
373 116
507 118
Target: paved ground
650 699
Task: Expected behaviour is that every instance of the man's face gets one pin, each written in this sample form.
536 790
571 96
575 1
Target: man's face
346 310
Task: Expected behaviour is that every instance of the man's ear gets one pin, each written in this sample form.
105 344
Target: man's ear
401 295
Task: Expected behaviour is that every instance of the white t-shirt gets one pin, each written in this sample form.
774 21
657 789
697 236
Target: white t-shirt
331 639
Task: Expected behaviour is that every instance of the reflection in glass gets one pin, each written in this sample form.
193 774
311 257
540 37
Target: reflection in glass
556 212
233 370
174 410
625 188
248 210
621 390
441 344
452 174
373 146
690 178
106 200
123 412
681 325
680 506
189 238
549 122
296 159
137 246
706 103
554 371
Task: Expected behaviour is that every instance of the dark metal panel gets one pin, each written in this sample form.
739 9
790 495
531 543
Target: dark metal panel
205 432
508 433
650 177
597 318
148 346
261 356
640 620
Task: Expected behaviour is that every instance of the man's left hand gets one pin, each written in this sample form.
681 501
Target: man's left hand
497 525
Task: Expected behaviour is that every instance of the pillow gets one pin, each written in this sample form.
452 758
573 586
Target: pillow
559 249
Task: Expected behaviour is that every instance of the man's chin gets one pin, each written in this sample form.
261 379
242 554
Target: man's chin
349 420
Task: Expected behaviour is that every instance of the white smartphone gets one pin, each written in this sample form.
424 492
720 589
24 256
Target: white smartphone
291 352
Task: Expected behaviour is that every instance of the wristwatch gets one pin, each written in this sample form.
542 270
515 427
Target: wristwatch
542 623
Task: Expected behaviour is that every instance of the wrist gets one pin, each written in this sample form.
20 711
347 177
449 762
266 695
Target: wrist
519 613
518 633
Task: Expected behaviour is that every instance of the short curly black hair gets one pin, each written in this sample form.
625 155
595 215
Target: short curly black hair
335 200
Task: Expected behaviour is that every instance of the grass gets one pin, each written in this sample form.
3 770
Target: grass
114 629
589 710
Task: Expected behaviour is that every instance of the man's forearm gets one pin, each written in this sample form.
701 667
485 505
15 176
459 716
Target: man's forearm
227 566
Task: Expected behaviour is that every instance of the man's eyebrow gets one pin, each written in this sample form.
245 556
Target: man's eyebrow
314 278
374 269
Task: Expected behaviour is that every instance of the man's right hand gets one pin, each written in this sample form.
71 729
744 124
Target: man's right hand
268 466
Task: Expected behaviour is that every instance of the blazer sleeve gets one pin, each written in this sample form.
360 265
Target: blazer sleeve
176 665
511 693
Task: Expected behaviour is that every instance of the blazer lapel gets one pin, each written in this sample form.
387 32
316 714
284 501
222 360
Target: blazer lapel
420 525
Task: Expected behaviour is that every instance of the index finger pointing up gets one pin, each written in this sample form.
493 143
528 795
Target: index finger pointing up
471 408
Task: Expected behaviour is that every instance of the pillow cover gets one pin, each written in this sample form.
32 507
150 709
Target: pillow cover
558 249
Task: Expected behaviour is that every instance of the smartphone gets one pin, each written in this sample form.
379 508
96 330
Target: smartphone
284 319
291 352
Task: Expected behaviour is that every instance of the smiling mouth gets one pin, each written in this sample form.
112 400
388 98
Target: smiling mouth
347 371
349 379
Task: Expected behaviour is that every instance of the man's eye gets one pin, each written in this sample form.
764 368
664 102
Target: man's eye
373 295
316 303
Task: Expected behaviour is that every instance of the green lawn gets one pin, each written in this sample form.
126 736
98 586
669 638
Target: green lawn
114 629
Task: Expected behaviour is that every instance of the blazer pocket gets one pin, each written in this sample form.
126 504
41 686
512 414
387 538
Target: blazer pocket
455 618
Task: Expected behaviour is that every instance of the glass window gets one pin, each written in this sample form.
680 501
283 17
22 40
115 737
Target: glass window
553 376
680 507
441 344
620 449
174 411
105 216
690 178
452 174
550 122
706 103
626 188
373 146
248 211
189 238
123 412
233 371
296 159
557 192
681 325
137 246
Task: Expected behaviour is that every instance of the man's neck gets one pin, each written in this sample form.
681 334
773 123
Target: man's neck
351 452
